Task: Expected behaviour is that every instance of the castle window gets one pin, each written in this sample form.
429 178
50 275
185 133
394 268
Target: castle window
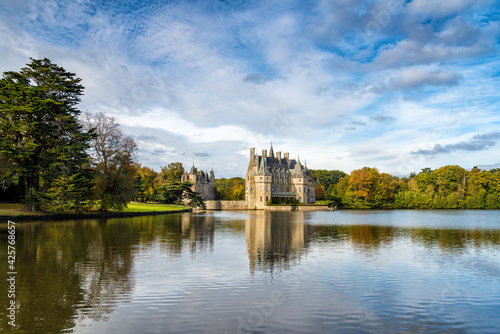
267 187
261 177
261 198
261 187
267 199
300 189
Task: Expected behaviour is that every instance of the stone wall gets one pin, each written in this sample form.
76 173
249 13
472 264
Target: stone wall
233 205
226 205
281 208
298 208
242 205
313 208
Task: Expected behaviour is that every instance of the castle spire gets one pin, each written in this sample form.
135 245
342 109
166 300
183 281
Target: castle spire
271 152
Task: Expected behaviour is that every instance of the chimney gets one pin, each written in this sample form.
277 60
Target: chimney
264 153
278 155
252 153
286 156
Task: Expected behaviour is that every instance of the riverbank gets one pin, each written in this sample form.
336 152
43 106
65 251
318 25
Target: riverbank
134 209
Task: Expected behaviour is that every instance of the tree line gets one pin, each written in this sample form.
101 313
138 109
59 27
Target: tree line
54 158
448 187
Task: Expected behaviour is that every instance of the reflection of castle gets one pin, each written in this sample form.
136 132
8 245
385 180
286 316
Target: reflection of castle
203 183
273 240
270 176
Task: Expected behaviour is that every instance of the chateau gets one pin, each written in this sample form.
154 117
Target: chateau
270 176
203 183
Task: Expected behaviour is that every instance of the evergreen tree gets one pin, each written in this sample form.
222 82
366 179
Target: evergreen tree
41 136
181 193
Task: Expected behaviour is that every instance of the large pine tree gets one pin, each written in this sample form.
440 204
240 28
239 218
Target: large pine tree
40 133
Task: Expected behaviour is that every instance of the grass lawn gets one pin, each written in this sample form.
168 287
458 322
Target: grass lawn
8 209
147 207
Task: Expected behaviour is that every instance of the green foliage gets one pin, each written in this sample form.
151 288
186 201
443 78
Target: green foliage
172 173
449 187
327 178
146 184
41 137
230 189
178 192
70 193
283 201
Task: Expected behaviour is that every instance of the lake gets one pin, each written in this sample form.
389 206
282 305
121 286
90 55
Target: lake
258 272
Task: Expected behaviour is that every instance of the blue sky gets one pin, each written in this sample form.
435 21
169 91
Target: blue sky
397 85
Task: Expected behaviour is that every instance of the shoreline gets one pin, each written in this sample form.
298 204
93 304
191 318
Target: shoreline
91 215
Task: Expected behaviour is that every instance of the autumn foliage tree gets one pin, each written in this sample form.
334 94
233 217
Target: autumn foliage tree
113 160
146 184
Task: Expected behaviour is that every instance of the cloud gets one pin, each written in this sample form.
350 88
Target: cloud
416 77
439 8
206 79
477 143
412 52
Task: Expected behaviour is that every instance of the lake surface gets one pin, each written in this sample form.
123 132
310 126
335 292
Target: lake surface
259 272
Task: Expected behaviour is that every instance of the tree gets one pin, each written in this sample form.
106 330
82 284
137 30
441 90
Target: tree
40 133
232 189
113 160
181 192
320 192
146 184
172 173
326 178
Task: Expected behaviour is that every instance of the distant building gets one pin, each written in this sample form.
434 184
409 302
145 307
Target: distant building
272 176
203 182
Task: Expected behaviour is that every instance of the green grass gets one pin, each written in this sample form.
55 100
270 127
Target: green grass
8 209
148 207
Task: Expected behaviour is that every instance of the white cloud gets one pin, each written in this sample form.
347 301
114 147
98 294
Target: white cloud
439 8
415 77
300 76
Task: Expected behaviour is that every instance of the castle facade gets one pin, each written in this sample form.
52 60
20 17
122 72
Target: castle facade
203 182
276 178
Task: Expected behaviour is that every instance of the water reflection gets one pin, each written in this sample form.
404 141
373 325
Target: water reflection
68 272
79 272
276 239
199 231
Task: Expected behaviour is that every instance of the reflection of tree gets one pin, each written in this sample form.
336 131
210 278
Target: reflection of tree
273 240
69 271
72 271
371 237
455 239
368 237
199 230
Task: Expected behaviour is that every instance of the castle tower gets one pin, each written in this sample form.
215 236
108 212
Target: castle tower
203 183
269 176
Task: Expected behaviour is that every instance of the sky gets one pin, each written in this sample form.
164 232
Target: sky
396 85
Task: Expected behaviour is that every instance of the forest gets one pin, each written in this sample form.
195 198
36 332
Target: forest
448 187
54 158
